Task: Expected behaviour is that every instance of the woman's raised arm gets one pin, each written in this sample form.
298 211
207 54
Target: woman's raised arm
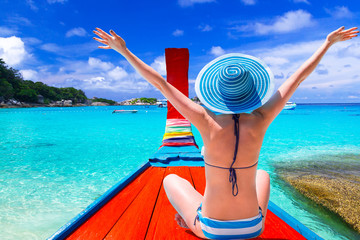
195 113
273 107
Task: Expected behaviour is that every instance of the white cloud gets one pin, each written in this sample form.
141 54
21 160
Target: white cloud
289 22
56 1
302 1
51 47
94 75
272 61
352 49
178 33
18 20
12 50
205 28
96 83
83 49
105 83
79 31
5 31
187 3
290 51
340 12
118 73
217 51
32 5
96 63
354 97
159 65
321 69
249 2
29 74
32 41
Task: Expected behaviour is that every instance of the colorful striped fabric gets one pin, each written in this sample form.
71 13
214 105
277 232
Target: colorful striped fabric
178 133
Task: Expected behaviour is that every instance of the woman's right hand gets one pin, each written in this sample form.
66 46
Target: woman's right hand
112 41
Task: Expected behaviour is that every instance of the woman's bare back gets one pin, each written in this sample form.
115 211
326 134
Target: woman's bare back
219 202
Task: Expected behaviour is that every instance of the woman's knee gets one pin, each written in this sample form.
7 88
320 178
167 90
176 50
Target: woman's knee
173 180
168 180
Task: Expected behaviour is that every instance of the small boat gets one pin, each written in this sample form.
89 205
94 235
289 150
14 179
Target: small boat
137 207
125 111
290 106
161 103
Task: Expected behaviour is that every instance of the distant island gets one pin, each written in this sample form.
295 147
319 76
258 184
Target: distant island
15 92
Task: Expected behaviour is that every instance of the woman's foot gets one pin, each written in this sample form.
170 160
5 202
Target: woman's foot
180 221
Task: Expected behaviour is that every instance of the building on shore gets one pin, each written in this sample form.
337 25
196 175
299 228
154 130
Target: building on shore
134 101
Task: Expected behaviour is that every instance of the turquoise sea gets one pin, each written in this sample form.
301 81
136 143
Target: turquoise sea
56 161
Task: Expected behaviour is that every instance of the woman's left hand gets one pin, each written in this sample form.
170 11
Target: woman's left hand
112 41
342 35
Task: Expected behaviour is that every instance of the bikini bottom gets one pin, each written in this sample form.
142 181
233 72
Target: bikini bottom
230 229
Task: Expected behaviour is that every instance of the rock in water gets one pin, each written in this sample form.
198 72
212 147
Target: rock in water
331 183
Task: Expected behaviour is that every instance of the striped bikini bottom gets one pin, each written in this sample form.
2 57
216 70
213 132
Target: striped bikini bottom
230 229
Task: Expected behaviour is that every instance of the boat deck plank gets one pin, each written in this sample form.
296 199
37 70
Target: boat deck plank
162 224
131 223
98 225
198 177
142 211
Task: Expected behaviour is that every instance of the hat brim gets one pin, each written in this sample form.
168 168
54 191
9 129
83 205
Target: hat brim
207 90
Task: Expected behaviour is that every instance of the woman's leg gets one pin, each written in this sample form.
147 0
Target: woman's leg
263 192
185 199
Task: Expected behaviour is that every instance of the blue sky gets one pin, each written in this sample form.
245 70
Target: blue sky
51 41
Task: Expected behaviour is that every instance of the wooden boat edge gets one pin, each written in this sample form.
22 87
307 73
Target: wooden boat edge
293 222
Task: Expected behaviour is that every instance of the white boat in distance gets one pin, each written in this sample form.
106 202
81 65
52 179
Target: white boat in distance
162 103
290 106
125 111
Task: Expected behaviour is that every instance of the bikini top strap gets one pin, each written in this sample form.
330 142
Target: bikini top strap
232 176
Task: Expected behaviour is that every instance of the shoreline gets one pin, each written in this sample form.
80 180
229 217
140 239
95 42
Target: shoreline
69 106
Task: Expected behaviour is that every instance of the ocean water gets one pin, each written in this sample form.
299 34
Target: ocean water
56 161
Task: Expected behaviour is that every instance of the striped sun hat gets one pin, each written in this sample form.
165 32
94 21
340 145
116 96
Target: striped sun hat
234 83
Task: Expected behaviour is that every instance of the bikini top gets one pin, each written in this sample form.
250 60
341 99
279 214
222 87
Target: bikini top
232 176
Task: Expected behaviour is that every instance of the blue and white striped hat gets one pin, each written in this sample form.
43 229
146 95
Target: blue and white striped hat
234 83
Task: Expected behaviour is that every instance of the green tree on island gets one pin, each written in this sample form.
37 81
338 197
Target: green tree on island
111 102
144 100
13 86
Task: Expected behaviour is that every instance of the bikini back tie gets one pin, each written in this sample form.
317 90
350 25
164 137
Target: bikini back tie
232 176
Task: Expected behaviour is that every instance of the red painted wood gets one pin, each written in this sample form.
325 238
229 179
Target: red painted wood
198 176
163 225
102 221
132 223
177 67
276 228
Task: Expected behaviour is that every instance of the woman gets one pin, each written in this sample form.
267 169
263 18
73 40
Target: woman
236 197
